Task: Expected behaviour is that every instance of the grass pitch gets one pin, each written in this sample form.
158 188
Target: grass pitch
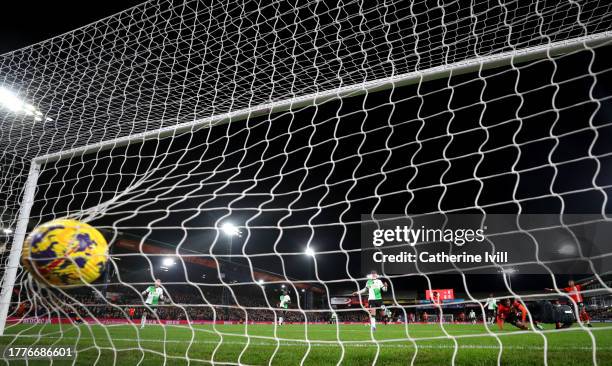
315 344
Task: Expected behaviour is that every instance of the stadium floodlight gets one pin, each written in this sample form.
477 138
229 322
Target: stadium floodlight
230 229
509 271
9 100
567 249
310 252
167 262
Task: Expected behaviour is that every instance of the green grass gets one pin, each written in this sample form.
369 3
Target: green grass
286 345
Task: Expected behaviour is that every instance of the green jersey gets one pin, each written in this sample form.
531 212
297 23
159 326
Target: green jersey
154 294
374 288
491 304
284 301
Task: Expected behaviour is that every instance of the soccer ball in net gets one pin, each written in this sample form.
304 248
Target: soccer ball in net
65 252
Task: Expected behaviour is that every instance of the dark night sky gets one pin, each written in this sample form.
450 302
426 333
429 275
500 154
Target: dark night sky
33 22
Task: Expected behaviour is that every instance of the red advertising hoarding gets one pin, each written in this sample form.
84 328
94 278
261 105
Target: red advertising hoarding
442 294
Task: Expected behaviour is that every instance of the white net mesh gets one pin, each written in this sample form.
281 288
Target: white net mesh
167 123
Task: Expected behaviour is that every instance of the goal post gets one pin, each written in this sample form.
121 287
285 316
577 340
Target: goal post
458 68
13 264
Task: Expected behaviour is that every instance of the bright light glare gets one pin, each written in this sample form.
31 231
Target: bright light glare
309 252
168 262
12 102
230 229
509 271
567 249
7 231
283 286
260 281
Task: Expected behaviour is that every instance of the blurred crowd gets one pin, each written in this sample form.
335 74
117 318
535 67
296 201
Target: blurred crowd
209 306
181 307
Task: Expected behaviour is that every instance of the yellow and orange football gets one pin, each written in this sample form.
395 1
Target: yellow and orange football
65 252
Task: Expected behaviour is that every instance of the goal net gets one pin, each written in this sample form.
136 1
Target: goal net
240 151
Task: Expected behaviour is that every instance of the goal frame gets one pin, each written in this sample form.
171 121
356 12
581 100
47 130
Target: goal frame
457 68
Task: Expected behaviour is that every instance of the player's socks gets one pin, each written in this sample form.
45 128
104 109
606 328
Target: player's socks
280 320
585 318
143 321
373 322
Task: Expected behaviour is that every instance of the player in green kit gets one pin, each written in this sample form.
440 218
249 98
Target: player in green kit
490 307
283 304
387 315
154 295
333 319
374 287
